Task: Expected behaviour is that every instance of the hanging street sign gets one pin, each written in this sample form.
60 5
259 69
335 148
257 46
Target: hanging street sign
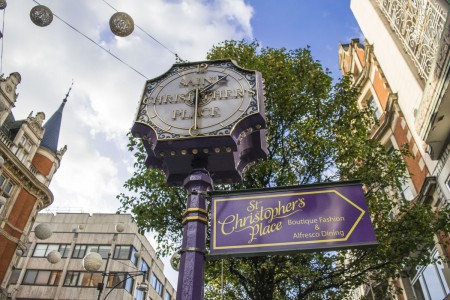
290 219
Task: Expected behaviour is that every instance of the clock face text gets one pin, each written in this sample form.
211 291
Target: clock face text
199 99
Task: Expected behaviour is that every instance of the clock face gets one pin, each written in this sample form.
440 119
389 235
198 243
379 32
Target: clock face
194 100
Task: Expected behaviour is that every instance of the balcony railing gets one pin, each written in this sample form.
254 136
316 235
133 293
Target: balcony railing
419 25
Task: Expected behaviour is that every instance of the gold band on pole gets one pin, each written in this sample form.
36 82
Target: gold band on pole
196 218
195 210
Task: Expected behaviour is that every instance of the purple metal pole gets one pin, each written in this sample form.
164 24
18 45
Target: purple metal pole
192 262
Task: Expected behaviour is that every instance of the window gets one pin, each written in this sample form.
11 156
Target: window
80 251
429 282
167 295
133 257
125 252
14 278
42 250
6 186
103 250
371 102
120 281
23 149
90 279
406 192
129 282
143 267
116 280
85 279
140 295
156 284
71 278
42 277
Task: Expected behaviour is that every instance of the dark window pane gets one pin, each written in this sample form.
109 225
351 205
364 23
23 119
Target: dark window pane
79 251
14 276
8 188
122 252
64 250
91 248
71 278
30 277
103 251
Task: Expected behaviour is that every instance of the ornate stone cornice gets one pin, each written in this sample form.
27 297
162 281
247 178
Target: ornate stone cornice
35 123
24 176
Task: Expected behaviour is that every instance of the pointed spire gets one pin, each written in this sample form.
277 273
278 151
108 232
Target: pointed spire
53 125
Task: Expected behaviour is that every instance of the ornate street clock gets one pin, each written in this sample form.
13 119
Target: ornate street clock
211 109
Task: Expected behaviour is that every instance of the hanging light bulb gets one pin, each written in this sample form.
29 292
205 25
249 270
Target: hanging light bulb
121 24
54 257
41 15
175 261
43 231
3 4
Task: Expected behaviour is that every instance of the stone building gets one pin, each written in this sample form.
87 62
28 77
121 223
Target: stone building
29 157
55 268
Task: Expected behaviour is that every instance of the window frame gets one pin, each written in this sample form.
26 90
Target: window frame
156 284
38 277
80 250
119 254
80 278
63 249
6 181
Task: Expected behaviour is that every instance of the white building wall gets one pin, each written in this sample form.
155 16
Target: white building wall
395 63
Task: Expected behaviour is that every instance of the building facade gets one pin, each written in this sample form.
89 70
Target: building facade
29 157
402 70
37 275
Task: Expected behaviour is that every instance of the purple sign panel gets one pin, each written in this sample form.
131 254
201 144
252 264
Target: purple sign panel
290 219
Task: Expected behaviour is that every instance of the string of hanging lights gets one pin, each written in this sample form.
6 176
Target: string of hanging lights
121 24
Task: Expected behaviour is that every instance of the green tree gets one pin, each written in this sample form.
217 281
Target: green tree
316 133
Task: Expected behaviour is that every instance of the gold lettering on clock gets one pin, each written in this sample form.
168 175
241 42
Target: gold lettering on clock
204 112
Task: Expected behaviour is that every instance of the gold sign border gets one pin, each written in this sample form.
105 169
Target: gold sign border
215 247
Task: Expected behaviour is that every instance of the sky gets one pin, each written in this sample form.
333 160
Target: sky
109 72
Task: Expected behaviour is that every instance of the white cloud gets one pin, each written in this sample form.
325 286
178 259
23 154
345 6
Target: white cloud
106 92
105 95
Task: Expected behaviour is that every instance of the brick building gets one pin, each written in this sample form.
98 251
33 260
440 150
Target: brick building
29 159
402 70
